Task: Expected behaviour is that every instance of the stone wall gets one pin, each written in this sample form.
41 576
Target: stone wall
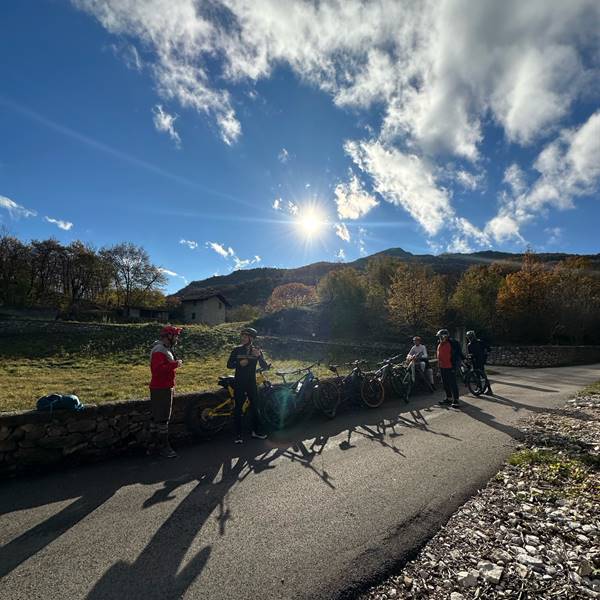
31 439
543 356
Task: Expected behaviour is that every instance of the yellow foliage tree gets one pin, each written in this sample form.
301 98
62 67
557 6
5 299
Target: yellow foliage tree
291 295
416 297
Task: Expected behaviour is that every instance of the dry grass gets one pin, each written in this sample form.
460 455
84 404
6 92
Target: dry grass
105 379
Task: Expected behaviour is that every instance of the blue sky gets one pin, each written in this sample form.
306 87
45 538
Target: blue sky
240 133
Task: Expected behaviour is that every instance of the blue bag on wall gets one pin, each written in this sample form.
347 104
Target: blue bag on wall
59 402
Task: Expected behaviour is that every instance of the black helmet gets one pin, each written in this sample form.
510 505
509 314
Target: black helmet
250 331
471 334
443 332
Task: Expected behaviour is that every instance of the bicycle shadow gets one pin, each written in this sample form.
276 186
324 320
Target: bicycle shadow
211 476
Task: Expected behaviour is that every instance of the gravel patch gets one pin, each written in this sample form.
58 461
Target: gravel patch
532 533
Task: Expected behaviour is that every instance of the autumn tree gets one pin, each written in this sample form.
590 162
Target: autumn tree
291 295
475 297
416 297
133 273
15 275
342 293
575 297
46 259
244 312
525 307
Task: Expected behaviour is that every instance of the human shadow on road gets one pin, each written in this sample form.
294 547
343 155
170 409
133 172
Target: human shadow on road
522 385
88 487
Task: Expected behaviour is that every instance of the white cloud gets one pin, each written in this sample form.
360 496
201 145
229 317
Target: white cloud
437 69
469 181
404 180
353 202
230 254
459 245
283 156
172 274
16 210
568 167
292 208
243 263
515 178
341 255
555 234
165 122
504 227
191 244
277 203
64 225
342 231
362 243
220 249
181 39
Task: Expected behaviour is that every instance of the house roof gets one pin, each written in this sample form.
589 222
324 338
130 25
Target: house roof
205 295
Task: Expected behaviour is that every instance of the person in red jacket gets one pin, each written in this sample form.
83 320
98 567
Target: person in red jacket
163 364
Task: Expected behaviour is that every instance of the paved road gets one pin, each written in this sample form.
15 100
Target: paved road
314 513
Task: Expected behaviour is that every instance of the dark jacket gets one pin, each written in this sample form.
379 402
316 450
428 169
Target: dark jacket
457 353
247 374
478 350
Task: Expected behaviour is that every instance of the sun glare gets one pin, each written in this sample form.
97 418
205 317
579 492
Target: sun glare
310 222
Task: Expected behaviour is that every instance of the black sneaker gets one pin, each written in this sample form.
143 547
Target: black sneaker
239 440
259 436
445 402
455 404
167 452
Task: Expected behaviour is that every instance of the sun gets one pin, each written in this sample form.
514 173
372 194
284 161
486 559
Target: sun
310 222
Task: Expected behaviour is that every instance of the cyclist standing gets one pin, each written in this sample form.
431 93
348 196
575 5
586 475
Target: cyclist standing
449 355
478 352
163 365
244 359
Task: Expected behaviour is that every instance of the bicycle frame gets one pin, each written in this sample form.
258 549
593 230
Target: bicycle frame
225 409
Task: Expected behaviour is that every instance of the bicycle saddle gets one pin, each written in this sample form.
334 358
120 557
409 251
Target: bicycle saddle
226 381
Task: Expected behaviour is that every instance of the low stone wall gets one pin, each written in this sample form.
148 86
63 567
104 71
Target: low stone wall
543 356
31 439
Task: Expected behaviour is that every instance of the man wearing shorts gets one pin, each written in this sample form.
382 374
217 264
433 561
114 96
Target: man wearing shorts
163 365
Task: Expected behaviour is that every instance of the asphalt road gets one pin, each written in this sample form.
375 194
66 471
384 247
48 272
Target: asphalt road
316 512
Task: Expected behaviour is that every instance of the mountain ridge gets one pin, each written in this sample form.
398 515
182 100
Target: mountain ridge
254 286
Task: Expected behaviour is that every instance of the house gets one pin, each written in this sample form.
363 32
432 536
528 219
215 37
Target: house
204 306
140 313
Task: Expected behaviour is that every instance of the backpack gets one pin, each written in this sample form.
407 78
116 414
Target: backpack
59 402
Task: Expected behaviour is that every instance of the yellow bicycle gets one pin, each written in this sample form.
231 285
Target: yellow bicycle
213 413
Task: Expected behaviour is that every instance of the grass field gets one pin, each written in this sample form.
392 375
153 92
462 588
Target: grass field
103 363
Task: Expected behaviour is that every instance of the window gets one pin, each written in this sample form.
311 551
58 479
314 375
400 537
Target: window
193 316
220 306
194 302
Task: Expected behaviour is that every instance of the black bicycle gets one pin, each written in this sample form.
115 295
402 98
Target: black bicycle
393 377
358 385
283 403
475 379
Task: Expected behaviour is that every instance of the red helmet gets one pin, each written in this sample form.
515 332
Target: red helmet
171 330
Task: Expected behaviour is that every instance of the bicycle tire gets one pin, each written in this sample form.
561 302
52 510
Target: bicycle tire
198 418
278 407
327 398
476 382
372 392
401 382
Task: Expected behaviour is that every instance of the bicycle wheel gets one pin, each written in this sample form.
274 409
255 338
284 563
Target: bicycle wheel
476 382
372 392
201 417
278 407
327 398
402 383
